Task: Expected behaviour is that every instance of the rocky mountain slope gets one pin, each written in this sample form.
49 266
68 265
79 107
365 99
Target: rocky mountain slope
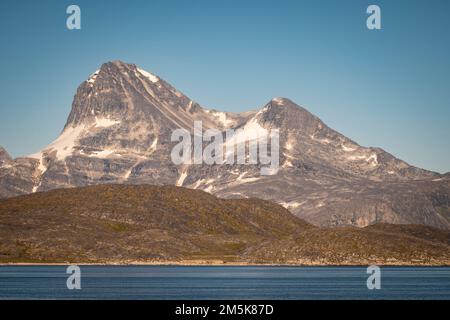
119 130
166 224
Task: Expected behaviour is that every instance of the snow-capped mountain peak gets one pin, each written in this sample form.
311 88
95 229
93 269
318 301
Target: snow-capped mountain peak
119 131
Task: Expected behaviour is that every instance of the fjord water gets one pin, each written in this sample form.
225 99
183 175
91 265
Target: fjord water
228 282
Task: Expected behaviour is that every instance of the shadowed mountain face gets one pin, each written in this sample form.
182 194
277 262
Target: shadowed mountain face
4 156
119 130
5 159
166 224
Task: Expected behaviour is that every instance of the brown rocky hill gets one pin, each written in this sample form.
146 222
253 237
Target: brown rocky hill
167 224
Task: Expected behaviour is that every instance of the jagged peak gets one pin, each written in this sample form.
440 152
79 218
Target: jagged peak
284 108
118 67
4 155
117 64
123 66
285 103
120 63
280 101
107 92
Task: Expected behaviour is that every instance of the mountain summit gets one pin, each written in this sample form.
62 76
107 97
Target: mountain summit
119 131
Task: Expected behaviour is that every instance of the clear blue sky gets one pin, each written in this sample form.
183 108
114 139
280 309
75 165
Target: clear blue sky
388 88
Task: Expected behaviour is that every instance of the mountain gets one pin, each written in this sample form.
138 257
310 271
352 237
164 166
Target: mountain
167 224
119 131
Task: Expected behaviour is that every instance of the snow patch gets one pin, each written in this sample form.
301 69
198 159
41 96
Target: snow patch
251 131
288 164
127 174
181 179
204 182
320 204
291 205
241 180
324 141
209 189
373 160
178 93
154 143
238 194
189 106
63 145
289 146
105 122
92 78
102 154
348 149
197 183
222 118
42 168
149 76
353 158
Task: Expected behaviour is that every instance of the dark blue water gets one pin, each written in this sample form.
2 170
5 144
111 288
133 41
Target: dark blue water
180 282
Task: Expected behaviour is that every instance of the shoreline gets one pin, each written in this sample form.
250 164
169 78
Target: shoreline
217 264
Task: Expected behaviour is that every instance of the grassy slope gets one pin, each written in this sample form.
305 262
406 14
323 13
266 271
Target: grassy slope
122 223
